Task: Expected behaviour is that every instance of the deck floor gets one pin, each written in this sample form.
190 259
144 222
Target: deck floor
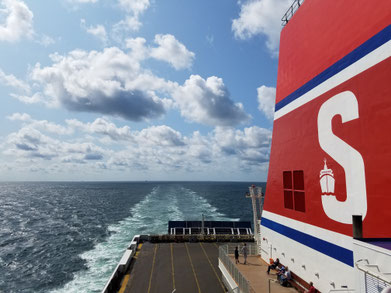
185 267
255 272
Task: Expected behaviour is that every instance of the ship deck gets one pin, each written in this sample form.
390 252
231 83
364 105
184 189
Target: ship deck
191 268
185 267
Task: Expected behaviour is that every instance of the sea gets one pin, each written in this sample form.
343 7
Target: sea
69 236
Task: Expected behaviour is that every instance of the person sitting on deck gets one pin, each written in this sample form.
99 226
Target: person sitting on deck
286 277
280 272
312 288
273 266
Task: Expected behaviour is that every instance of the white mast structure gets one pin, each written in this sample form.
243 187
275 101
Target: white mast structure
256 193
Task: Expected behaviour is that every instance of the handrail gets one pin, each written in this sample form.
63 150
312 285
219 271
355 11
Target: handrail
233 270
377 275
122 266
251 248
291 10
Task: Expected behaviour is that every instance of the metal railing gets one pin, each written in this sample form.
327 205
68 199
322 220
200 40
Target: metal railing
251 248
373 275
224 252
291 11
114 282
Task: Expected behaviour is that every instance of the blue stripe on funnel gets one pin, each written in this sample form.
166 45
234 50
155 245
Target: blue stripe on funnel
337 252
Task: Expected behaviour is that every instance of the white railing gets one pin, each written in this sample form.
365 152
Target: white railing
224 251
251 248
119 271
375 279
373 270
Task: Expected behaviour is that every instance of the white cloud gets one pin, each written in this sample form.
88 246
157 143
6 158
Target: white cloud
42 125
250 145
103 127
158 149
82 1
30 143
172 51
133 9
208 102
138 49
46 40
18 21
200 149
266 100
97 31
19 117
130 23
223 148
169 50
261 17
33 99
113 82
108 82
210 39
12 81
51 127
161 135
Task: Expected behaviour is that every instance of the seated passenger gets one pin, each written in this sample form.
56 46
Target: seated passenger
286 277
280 272
312 288
273 266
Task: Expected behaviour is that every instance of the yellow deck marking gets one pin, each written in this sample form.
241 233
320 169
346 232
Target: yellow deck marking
210 263
153 265
124 283
138 250
192 267
216 245
127 276
172 268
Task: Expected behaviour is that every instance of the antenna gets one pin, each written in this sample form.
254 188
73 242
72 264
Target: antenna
256 193
202 225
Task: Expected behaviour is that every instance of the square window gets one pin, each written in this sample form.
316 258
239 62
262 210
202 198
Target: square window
299 201
298 180
287 176
288 199
294 195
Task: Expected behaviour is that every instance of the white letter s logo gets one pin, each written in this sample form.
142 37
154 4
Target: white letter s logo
344 104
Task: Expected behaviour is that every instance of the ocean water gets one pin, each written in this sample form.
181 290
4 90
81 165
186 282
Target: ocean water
68 237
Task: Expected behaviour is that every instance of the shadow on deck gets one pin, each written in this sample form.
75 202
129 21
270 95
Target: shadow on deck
255 273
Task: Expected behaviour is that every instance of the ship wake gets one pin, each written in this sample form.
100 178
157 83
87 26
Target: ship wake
150 216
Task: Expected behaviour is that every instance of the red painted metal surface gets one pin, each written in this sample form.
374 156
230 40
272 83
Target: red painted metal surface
295 146
321 33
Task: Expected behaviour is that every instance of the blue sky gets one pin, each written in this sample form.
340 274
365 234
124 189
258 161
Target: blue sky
137 89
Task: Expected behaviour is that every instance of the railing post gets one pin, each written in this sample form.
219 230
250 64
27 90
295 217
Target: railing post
291 11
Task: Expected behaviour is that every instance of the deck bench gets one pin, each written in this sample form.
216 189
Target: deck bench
296 282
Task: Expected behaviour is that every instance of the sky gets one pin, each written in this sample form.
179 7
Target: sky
134 90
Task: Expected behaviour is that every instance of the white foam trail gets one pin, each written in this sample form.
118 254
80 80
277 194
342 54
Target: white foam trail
150 216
